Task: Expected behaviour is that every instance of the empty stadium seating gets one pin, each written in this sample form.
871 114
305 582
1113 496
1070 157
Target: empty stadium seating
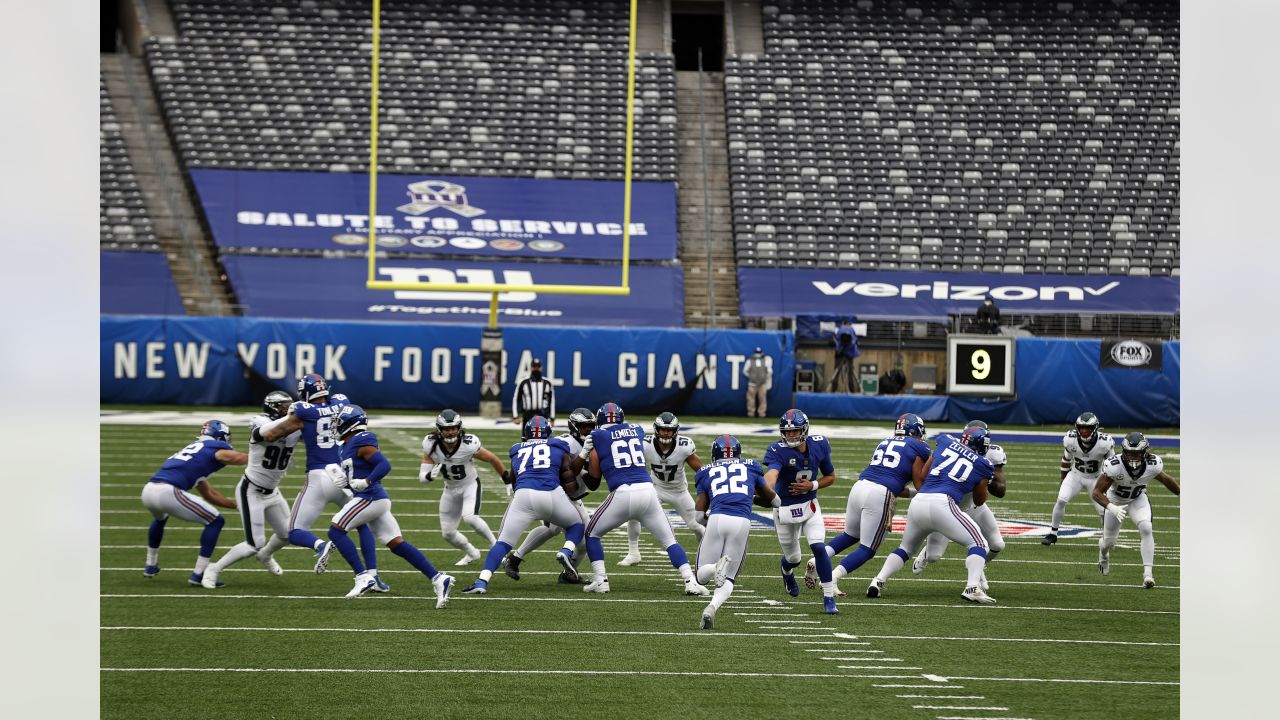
122 216
974 136
521 88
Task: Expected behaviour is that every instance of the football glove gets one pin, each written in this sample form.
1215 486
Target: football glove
428 472
587 446
776 502
1119 512
506 477
359 484
336 474
701 517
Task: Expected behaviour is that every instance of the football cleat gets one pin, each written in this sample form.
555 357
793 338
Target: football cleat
209 579
1148 582
976 595
829 606
322 557
1049 539
876 588
632 558
511 566
691 587
722 571
151 571
442 584
708 618
197 579
839 593
789 580
379 586
470 557
364 583
1104 561
563 579
982 582
479 587
922 560
811 574
597 586
272 566
566 562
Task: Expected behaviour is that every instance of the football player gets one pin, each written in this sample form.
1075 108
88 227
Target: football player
314 414
616 454
363 467
667 452
581 422
936 545
1084 451
450 452
796 467
258 494
542 465
958 468
726 489
167 493
897 468
1121 491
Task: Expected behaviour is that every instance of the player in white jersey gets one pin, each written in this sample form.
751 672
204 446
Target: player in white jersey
581 422
1121 491
258 494
1084 450
450 453
936 546
667 452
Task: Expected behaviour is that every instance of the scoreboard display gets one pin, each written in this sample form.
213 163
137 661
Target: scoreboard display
979 365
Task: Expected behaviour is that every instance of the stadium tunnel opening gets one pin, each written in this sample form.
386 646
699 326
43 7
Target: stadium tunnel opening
698 27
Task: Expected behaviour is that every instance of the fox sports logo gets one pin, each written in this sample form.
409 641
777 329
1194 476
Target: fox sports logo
1131 353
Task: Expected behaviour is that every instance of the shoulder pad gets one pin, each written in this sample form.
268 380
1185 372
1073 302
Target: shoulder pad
682 440
258 421
818 438
470 439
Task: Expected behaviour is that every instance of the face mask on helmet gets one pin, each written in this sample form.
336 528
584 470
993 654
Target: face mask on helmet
449 426
276 404
1134 451
1086 427
1134 460
581 423
665 427
794 427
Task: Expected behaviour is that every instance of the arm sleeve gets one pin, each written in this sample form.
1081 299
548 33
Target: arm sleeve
381 466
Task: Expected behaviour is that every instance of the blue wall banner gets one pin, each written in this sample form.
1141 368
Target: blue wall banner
236 360
932 296
136 283
480 216
278 287
1056 381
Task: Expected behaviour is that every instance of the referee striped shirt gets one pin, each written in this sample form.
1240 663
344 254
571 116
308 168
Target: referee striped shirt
536 396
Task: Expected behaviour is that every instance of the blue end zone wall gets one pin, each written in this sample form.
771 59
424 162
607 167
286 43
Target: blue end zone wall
1056 380
217 361
136 283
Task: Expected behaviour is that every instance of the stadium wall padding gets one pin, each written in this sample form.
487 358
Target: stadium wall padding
1056 380
236 360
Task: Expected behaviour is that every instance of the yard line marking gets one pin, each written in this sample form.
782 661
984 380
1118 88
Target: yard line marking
848 650
764 614
959 707
860 659
825 642
490 598
803 622
472 671
442 631
785 627
935 678
966 717
921 687
1030 640
1068 680
945 697
877 667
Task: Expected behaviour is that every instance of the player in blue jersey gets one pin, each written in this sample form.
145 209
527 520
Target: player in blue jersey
796 467
363 467
543 473
167 493
616 453
726 488
959 468
897 469
315 414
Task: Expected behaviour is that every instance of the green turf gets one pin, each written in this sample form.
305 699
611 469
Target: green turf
531 647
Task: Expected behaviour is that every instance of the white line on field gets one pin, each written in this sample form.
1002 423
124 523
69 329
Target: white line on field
1066 680
825 642
443 631
921 687
840 649
471 671
968 717
1030 640
863 659
788 627
944 697
959 707
877 667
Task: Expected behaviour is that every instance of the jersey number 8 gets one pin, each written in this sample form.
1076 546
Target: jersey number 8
627 453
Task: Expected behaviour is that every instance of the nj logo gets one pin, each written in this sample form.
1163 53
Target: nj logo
474 276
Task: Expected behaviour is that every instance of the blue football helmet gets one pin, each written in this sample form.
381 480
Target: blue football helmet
537 428
217 430
609 414
793 420
312 386
977 439
725 446
909 424
351 419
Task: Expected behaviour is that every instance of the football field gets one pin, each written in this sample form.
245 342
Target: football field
1063 641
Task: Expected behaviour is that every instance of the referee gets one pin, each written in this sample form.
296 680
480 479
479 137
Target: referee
534 396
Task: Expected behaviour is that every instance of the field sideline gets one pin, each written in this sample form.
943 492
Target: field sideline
1064 641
